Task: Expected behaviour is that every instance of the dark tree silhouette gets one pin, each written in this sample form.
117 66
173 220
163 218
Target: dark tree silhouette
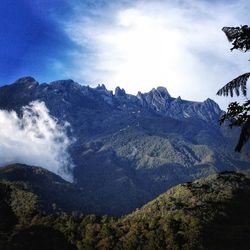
238 114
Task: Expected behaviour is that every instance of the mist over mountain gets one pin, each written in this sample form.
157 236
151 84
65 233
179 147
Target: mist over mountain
128 149
35 138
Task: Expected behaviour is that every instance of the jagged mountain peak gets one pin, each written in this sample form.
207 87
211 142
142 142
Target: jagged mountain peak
177 100
159 92
163 91
65 84
136 146
212 106
101 87
27 81
158 100
210 102
119 91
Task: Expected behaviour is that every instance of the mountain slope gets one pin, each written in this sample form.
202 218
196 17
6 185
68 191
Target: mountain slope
42 191
210 213
128 148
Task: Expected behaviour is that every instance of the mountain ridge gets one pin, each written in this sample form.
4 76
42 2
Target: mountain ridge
128 150
51 193
156 100
209 213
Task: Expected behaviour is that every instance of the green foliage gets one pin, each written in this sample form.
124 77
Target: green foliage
239 37
43 189
238 114
209 213
238 84
127 169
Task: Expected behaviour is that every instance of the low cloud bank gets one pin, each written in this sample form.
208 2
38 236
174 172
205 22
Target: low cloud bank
35 139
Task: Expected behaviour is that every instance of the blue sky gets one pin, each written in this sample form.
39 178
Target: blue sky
30 39
137 45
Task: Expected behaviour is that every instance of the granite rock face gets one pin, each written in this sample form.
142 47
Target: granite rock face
158 101
128 148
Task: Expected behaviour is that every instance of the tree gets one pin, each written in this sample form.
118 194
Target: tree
238 114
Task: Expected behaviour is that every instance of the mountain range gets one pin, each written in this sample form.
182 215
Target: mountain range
37 211
129 149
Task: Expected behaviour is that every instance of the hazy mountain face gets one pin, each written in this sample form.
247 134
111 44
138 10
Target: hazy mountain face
128 149
35 138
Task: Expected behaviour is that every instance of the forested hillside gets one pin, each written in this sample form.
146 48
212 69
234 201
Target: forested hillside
211 213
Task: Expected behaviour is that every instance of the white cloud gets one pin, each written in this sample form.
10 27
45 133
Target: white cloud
177 44
34 139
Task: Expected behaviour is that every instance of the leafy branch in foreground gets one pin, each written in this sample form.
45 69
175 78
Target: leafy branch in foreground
239 83
239 37
238 114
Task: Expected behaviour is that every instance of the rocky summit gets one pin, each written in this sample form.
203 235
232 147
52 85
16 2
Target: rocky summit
128 149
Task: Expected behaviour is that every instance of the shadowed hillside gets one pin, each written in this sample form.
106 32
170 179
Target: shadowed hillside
46 191
211 213
129 149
